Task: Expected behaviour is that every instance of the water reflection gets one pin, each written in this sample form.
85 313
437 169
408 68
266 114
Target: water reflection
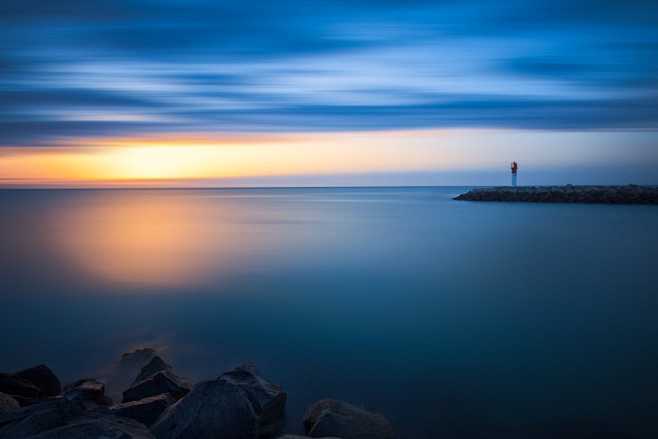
149 239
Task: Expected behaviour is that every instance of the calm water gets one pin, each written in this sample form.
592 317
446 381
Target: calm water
463 319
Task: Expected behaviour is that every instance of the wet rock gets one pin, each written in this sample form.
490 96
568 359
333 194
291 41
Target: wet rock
145 410
121 375
329 417
24 401
156 378
7 402
154 366
37 418
157 384
14 386
43 378
87 390
97 426
70 419
237 405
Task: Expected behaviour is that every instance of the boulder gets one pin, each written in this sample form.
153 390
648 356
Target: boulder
121 375
157 384
63 418
87 390
145 410
154 366
14 386
7 402
239 404
24 401
43 378
37 418
99 426
329 417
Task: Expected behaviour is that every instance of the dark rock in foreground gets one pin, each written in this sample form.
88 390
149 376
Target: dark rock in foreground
18 387
156 378
145 410
30 385
237 405
329 417
161 382
38 418
630 194
154 366
97 426
42 377
7 402
63 418
122 374
88 391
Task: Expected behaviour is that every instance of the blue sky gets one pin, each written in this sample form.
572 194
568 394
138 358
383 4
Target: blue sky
73 70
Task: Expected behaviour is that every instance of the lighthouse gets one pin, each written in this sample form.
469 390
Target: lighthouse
515 168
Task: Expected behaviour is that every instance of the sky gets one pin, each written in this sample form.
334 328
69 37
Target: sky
306 93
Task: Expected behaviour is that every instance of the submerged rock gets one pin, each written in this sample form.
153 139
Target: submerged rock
43 378
7 402
121 375
135 360
145 410
154 366
237 405
157 384
330 417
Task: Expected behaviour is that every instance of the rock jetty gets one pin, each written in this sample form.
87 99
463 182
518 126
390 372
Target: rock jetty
239 404
629 194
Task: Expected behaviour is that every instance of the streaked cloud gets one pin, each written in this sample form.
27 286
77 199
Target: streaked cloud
138 66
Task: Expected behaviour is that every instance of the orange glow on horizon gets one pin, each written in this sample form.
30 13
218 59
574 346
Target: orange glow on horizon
179 158
211 160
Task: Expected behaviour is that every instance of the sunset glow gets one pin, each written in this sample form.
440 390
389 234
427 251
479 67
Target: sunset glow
152 159
211 160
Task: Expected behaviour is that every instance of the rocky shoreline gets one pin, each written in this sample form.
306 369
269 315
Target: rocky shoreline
629 194
238 404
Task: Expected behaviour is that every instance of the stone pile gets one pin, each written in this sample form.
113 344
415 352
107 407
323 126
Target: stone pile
239 404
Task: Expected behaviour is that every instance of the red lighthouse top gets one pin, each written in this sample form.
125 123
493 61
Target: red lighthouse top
515 167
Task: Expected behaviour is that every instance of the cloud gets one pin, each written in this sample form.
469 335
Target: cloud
71 68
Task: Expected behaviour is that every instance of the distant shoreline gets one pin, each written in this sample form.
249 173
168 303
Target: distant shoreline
629 194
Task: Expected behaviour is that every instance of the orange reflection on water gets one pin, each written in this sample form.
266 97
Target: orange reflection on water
148 238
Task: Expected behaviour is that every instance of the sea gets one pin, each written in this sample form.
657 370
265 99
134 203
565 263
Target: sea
454 319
